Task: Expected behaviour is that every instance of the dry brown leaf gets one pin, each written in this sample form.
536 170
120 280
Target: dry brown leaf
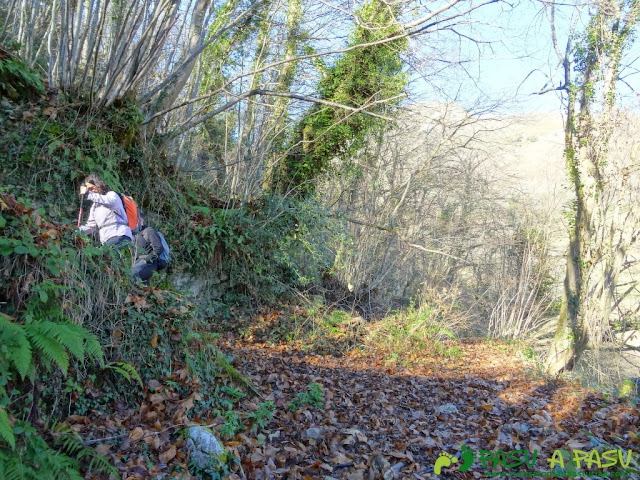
327 467
182 373
157 398
159 297
157 443
151 416
136 434
155 384
103 449
77 419
340 459
51 112
168 455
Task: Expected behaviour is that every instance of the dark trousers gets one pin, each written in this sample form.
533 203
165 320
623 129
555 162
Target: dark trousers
118 241
115 245
144 269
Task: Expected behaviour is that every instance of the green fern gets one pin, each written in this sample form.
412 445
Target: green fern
18 348
127 370
70 444
55 341
6 432
48 347
34 459
220 360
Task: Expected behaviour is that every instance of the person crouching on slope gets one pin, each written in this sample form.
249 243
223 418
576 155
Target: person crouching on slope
148 249
107 215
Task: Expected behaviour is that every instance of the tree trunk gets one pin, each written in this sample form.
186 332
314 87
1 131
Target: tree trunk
594 259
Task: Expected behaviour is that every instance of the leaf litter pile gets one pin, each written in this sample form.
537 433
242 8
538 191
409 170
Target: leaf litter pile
355 417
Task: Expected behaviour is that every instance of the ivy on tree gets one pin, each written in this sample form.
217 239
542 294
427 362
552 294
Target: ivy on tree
363 78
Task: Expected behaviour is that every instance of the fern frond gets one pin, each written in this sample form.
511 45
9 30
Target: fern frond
127 370
6 431
65 333
70 444
13 336
79 341
93 348
49 347
101 464
14 469
60 466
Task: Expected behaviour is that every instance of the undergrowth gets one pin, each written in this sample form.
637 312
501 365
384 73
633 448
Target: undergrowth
407 336
77 335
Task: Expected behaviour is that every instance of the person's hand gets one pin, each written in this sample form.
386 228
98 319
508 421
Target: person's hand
87 187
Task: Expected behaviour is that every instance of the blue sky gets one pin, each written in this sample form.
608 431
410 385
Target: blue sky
513 60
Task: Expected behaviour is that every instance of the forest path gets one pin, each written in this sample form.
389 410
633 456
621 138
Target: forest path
377 418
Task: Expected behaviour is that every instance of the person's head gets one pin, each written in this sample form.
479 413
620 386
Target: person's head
96 185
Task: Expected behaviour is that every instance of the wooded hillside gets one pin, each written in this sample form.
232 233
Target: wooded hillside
376 264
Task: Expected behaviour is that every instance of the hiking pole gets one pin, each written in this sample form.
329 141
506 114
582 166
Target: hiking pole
80 212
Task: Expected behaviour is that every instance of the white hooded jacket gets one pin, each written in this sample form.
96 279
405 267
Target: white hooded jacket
107 216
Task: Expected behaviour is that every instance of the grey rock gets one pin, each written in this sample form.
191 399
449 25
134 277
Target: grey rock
203 447
380 467
315 432
447 408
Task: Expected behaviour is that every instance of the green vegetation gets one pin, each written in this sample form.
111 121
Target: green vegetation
416 331
313 397
17 81
369 79
32 457
68 306
262 415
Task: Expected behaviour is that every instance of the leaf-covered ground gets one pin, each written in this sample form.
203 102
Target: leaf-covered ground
374 421
376 416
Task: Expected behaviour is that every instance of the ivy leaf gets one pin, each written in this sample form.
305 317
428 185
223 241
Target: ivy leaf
53 266
6 247
43 296
21 249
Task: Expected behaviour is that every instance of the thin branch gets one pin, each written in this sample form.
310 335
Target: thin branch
271 66
193 122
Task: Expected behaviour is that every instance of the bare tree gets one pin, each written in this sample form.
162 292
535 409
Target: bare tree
429 213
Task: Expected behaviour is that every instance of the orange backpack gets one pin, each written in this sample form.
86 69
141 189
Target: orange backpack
133 213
